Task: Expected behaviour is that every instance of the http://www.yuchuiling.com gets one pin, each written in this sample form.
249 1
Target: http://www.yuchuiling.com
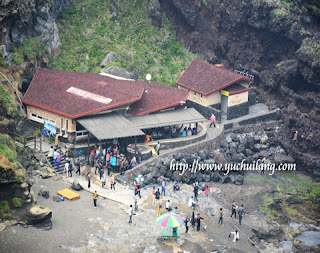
197 166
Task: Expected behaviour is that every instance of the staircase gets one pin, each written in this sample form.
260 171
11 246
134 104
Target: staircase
50 162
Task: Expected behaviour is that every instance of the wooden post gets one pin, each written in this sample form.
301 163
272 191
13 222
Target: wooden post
41 143
135 145
88 146
35 142
197 127
24 142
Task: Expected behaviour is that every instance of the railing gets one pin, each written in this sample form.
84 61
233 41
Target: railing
244 73
27 140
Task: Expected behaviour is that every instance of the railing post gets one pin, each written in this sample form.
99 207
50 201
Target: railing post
24 142
35 142
41 143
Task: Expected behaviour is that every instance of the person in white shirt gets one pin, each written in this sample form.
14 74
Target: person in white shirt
66 168
130 214
191 202
168 206
236 235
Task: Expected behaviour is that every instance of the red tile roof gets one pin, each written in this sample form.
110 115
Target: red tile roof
157 96
48 90
236 89
206 79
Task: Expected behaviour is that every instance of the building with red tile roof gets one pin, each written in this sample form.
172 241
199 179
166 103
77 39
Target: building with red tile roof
71 100
214 86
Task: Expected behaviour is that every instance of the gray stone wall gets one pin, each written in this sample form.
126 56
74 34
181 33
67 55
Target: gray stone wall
205 110
237 111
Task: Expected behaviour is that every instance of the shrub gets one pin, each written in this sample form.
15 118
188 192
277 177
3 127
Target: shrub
17 202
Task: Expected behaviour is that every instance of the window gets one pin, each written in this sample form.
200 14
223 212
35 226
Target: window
61 123
67 124
42 119
188 93
194 95
200 98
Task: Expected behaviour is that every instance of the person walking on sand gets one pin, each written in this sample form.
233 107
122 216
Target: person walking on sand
199 221
220 217
187 222
193 218
95 197
89 180
157 195
195 191
153 196
241 213
158 148
78 167
213 119
207 194
163 188
66 168
234 210
159 207
103 180
113 183
130 214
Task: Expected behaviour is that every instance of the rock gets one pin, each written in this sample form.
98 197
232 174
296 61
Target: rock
226 179
276 206
281 159
177 156
161 179
56 198
109 58
72 152
44 175
155 172
235 138
76 185
249 152
265 234
55 178
44 194
155 13
219 158
148 179
264 139
250 142
215 177
233 145
37 214
168 173
167 161
257 139
256 147
294 201
176 176
241 149
117 71
41 164
228 139
206 177
238 179
243 141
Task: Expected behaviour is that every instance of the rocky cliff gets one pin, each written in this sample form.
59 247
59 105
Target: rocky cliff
23 19
276 41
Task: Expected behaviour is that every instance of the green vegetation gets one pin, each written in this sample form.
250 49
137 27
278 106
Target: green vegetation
291 186
17 202
30 50
5 211
2 63
138 46
311 48
7 148
7 101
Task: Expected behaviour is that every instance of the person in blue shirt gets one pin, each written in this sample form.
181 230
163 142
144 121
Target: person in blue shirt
184 132
234 209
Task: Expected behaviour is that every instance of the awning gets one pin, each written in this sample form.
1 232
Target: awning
168 118
110 126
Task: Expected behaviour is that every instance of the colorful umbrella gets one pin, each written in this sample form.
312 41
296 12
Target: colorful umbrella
170 220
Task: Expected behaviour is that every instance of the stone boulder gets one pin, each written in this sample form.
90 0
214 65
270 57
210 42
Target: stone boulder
148 179
155 172
219 158
228 139
206 178
241 149
238 179
169 173
256 147
44 194
117 71
215 177
257 139
235 138
267 234
37 214
177 156
167 161
176 176
72 152
281 159
109 58
163 170
76 185
250 142
226 179
161 179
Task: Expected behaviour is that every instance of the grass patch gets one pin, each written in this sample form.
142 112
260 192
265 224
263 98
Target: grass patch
137 45
7 101
17 202
5 211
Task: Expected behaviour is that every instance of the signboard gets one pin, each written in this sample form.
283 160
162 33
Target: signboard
49 130
89 95
223 92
